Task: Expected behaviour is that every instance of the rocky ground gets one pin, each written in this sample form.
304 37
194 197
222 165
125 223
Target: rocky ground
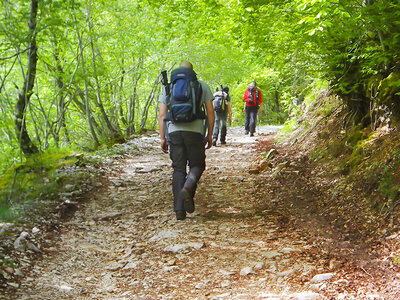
252 236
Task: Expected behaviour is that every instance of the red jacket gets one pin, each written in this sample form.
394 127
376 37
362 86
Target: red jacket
251 98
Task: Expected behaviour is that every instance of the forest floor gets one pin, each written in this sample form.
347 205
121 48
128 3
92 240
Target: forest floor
252 235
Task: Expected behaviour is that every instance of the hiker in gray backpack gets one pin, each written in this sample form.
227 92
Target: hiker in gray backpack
182 114
222 108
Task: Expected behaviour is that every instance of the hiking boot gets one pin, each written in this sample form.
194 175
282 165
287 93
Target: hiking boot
251 134
214 143
223 142
246 132
180 215
188 203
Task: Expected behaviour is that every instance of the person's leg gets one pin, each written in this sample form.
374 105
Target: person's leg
223 127
216 128
197 163
178 155
253 117
246 120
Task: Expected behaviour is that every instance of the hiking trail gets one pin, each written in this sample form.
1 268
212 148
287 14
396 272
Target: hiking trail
124 242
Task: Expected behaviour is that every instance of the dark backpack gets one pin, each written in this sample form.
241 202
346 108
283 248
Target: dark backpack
184 96
219 102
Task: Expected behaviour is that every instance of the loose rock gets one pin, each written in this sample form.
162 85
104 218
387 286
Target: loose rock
246 271
321 277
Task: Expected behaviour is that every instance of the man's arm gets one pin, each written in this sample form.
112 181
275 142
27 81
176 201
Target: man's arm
260 102
161 117
210 120
246 94
229 112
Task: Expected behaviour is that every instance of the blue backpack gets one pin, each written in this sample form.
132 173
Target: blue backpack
184 96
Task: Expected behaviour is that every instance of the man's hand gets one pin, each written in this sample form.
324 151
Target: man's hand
164 145
208 141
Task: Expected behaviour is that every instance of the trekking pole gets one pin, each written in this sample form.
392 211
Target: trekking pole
258 124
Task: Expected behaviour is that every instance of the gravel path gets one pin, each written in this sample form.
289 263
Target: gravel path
124 241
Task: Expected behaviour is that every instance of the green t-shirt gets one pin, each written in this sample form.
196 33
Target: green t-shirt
197 125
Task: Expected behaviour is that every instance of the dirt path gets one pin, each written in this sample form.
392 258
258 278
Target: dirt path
124 241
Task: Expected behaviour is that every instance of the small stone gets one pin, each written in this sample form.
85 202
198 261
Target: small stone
240 178
69 187
246 271
90 278
223 178
152 216
131 265
269 296
342 282
65 288
271 154
321 277
227 273
35 230
171 262
285 273
334 264
20 242
259 266
169 268
197 246
110 216
289 250
305 296
225 283
18 272
177 248
148 170
272 254
114 266
32 247
165 234
13 284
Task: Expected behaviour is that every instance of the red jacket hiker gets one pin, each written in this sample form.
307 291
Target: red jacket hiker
253 98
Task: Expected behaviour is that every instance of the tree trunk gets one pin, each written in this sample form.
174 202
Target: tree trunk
87 105
81 106
277 100
25 142
61 98
132 100
115 135
148 103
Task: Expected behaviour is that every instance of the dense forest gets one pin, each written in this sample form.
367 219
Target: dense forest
83 75
311 212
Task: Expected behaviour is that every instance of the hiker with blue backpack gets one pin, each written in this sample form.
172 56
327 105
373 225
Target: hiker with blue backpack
186 109
222 108
253 100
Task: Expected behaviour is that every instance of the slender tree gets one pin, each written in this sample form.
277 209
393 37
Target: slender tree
24 140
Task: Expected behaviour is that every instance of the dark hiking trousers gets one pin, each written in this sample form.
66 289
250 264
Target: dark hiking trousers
220 117
250 118
186 148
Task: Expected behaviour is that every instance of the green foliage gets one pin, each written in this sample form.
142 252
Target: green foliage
99 61
26 183
355 137
387 186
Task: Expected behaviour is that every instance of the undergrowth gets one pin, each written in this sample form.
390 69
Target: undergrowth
27 184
